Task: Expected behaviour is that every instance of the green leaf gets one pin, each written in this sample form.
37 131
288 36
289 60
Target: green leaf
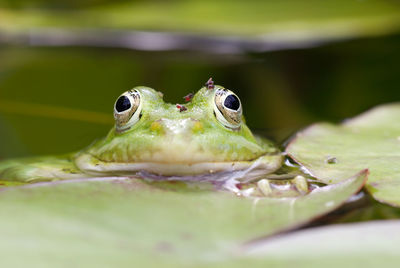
371 140
370 244
128 222
277 23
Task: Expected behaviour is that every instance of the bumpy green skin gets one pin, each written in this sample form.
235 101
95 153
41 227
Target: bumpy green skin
195 133
164 135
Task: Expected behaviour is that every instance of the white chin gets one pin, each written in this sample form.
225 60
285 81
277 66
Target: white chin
256 168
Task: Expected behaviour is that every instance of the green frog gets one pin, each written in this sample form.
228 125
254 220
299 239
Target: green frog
206 137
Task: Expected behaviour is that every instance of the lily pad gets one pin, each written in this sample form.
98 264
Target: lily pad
369 244
130 222
372 140
238 26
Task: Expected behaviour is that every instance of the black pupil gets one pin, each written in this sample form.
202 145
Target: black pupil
123 104
232 102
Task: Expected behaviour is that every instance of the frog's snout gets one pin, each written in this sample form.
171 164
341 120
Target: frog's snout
176 127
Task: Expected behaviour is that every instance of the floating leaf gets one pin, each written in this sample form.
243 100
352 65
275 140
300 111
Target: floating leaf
255 25
370 244
117 221
371 140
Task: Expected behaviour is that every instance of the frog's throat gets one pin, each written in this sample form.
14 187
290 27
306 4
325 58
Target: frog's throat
263 165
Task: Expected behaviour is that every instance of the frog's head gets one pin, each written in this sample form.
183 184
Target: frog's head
206 135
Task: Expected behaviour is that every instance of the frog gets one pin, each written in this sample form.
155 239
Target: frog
207 137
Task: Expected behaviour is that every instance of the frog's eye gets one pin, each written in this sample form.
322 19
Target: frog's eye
127 110
227 108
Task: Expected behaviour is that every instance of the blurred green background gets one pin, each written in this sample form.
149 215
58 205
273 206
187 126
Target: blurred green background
63 63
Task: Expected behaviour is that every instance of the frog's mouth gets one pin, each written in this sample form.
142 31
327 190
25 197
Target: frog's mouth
262 165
